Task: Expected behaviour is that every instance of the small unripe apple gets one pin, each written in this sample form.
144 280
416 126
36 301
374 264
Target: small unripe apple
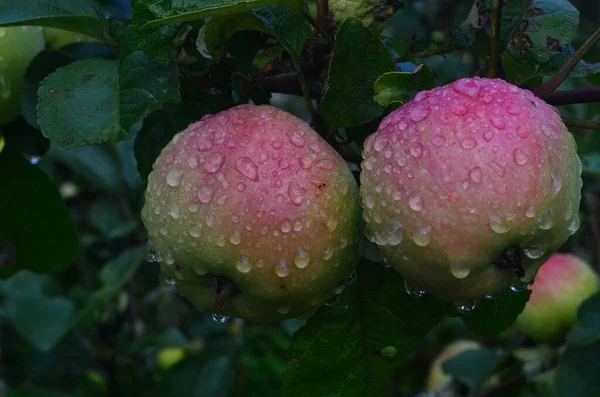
561 285
254 215
58 38
437 377
470 187
371 13
18 46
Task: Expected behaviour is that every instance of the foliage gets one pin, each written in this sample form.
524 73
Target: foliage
82 313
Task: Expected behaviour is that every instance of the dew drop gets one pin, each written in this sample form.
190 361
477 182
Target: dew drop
520 157
325 164
522 131
235 238
422 236
243 264
195 231
314 148
380 143
475 174
328 253
547 220
458 108
530 213
174 211
218 318
438 141
174 177
281 268
468 143
163 231
247 168
574 225
488 135
498 121
286 225
369 201
298 225
413 290
416 150
302 258
466 308
460 270
498 225
546 130
518 287
296 193
467 87
214 163
415 203
166 281
151 253
205 193
419 113
297 140
205 142
555 183
241 187
535 251
305 163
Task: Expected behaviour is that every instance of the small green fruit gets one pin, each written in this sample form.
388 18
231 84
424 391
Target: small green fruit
561 285
169 356
18 46
58 38
372 13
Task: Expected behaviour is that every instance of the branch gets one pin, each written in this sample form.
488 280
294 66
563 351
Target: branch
495 50
317 26
578 123
288 83
582 95
563 73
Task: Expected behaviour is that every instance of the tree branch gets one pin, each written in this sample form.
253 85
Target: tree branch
288 83
495 66
563 73
582 95
577 123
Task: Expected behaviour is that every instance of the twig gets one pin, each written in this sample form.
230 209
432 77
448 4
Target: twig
568 97
322 11
305 89
556 80
317 26
496 63
288 83
578 123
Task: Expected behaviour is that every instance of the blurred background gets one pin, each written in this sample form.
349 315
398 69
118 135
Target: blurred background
140 338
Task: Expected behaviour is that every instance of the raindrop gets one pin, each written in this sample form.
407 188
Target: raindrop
498 225
151 253
468 143
530 213
413 290
286 225
416 150
419 113
467 87
205 193
547 220
422 236
296 193
369 202
174 211
438 140
302 258
163 231
246 167
460 270
174 177
415 203
328 253
380 143
305 163
334 300
518 287
488 135
281 268
214 163
193 162
466 308
555 183
546 130
520 157
218 318
195 231
522 131
166 281
298 225
498 121
243 264
241 187
297 140
205 142
352 278
475 174
314 148
458 108
535 251
325 164
489 297
235 237
574 225
385 262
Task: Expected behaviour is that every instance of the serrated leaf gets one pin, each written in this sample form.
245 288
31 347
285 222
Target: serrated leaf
35 220
495 315
160 127
399 87
352 347
285 25
359 59
93 101
82 16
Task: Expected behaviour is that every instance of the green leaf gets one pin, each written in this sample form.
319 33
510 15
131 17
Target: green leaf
548 26
400 87
93 101
40 319
591 163
359 59
577 371
199 377
352 348
160 127
473 367
587 329
106 217
35 220
99 165
113 277
287 26
495 315
82 16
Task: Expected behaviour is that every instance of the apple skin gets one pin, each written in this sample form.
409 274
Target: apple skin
254 214
464 175
58 38
561 285
18 46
